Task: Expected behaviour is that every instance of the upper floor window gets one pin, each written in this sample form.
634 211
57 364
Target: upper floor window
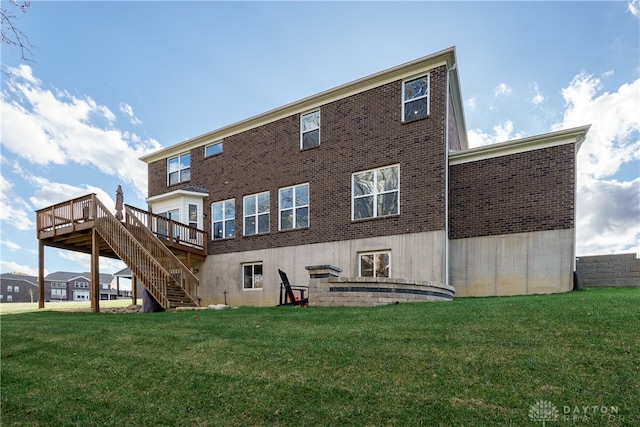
376 193
179 169
375 264
294 207
256 214
415 99
310 130
9 288
82 284
224 219
213 149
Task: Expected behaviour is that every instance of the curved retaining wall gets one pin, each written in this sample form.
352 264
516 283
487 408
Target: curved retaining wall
326 289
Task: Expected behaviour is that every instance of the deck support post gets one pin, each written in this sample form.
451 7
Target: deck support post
95 272
134 289
40 274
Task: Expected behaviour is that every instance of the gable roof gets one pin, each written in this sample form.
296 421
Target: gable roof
410 69
67 276
11 278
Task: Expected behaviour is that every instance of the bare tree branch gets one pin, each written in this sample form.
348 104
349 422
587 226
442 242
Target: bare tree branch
10 34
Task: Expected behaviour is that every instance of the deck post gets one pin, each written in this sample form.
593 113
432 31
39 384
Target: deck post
134 289
95 272
40 274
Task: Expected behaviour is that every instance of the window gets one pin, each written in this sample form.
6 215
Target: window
9 298
375 264
213 149
415 99
256 214
58 294
58 285
16 289
376 193
252 276
310 130
193 216
179 169
82 284
224 219
294 207
9 288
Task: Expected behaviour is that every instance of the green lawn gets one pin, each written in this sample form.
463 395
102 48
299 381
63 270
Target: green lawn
470 362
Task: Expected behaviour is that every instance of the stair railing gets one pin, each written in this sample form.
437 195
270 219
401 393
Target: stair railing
183 275
142 264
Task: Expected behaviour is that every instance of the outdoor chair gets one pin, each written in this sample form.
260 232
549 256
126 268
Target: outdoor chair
287 297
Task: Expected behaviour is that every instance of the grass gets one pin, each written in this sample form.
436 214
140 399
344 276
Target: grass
470 362
26 307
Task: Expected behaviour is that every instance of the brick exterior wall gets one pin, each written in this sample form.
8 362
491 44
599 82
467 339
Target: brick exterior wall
608 270
525 192
360 132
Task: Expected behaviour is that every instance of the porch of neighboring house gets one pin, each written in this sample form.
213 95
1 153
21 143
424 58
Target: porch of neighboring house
158 251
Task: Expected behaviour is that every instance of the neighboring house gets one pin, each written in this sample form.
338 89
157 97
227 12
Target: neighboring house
18 288
68 286
374 177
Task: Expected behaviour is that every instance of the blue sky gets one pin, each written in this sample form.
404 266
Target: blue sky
111 81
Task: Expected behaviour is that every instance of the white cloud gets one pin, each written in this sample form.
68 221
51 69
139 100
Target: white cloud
608 210
502 89
49 193
128 111
614 137
472 104
608 217
63 129
10 245
538 98
13 209
14 267
634 7
501 133
107 265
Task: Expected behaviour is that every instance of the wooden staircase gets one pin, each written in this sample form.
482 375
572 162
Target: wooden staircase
69 226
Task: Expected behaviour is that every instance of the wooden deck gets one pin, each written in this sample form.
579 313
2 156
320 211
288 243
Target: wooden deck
158 251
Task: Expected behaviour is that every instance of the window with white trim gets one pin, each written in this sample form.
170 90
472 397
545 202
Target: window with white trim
415 98
16 289
179 169
376 193
9 288
58 294
82 285
256 214
375 264
293 207
213 149
224 219
310 129
252 276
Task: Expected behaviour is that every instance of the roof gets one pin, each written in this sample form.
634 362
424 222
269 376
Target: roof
567 136
410 69
66 276
11 278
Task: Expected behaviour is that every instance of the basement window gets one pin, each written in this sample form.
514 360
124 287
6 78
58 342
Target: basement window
375 264
252 276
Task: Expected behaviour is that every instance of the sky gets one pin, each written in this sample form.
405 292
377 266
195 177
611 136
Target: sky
108 82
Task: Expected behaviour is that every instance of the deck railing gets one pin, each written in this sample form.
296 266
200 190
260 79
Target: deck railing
149 260
181 274
66 214
167 229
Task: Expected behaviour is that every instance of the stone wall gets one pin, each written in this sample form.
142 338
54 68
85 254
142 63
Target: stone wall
608 270
328 290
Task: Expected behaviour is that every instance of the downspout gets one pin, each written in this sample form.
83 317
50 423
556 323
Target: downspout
446 180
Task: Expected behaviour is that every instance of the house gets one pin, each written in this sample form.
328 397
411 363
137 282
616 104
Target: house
18 288
69 286
376 179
